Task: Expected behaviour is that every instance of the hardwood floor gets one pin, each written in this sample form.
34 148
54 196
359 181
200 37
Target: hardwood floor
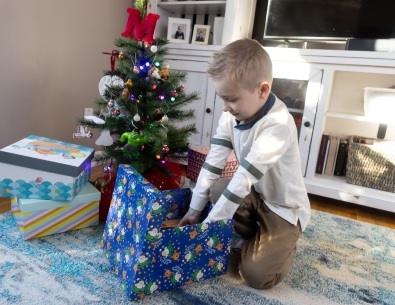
353 211
5 204
319 203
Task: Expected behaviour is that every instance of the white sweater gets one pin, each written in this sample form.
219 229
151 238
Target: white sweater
269 159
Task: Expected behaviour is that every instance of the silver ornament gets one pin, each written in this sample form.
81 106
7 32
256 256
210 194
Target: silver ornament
136 117
165 119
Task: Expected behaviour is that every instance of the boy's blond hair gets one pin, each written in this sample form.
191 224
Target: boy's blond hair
243 62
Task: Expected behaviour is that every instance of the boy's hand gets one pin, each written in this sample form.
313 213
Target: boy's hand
191 217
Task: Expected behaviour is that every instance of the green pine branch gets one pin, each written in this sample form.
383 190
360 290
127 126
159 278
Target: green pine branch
145 115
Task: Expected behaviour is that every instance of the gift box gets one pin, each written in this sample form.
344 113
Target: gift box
41 168
146 257
196 158
37 217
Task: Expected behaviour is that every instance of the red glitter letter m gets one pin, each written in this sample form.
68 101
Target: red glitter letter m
137 30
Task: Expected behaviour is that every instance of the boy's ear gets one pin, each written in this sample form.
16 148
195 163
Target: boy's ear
264 89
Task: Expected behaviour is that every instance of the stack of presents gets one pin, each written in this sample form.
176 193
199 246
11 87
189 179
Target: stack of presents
48 183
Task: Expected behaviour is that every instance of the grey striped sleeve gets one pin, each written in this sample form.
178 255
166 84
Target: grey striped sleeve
212 169
222 142
232 197
251 169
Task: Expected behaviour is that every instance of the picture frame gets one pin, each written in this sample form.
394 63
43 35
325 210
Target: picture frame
179 30
201 34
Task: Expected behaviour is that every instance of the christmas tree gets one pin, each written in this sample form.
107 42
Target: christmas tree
141 110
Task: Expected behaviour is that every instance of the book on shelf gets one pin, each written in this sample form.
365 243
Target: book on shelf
326 155
322 153
341 159
332 153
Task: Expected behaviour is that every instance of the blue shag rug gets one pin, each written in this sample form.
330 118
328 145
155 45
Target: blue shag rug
339 261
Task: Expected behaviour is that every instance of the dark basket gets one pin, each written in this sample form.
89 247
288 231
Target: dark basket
372 166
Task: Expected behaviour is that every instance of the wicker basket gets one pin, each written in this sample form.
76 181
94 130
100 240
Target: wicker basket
371 165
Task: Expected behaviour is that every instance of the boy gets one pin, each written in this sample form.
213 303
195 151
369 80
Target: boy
266 196
200 37
179 33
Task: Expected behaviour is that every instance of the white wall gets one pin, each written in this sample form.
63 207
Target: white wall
51 62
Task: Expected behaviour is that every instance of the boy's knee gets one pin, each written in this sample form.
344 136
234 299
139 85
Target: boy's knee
258 280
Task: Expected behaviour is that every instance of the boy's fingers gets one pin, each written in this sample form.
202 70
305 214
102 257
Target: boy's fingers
182 223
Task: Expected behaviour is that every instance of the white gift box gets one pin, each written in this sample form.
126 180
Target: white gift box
42 168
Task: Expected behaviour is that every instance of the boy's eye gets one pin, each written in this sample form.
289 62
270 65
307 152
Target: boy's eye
230 99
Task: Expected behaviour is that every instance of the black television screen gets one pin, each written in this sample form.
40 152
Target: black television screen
330 19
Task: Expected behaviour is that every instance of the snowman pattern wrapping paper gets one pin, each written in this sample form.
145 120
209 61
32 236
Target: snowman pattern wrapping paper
148 259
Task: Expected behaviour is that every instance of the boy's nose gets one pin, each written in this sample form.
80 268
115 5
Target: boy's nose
225 108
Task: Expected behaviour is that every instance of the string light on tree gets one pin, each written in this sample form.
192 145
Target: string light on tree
143 99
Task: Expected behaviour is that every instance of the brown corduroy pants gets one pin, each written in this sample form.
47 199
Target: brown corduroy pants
269 241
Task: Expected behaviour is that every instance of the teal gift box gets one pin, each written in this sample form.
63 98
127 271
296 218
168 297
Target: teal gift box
42 168
148 259
38 218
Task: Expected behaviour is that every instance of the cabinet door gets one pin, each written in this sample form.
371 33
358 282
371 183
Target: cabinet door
197 80
299 88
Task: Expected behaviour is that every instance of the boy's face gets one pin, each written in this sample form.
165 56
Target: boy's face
242 103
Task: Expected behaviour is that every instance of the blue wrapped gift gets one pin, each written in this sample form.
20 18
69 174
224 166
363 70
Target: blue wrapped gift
148 259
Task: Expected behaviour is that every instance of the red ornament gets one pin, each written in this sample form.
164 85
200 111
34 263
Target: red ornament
136 70
114 54
140 31
153 87
165 149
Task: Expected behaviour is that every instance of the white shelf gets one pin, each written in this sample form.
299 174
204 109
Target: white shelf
194 7
347 116
337 188
238 16
295 110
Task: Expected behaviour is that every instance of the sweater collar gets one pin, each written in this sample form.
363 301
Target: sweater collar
262 112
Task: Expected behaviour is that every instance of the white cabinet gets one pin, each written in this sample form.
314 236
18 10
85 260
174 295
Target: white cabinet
299 86
238 15
340 112
193 60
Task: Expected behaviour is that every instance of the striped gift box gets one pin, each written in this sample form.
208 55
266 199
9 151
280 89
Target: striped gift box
37 217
